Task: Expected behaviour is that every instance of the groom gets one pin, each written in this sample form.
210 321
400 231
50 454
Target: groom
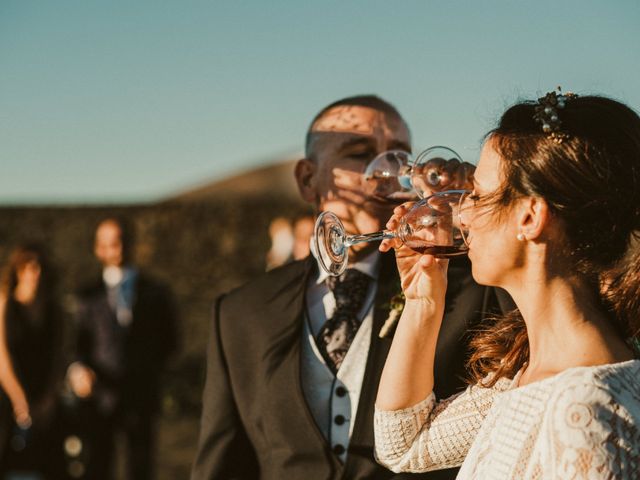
294 357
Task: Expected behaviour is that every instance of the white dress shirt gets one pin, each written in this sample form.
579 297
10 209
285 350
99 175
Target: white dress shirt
333 400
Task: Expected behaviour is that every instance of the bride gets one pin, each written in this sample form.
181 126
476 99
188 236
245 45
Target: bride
555 390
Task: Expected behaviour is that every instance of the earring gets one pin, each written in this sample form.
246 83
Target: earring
520 237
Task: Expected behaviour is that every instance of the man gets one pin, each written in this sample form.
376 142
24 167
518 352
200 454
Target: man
126 331
291 383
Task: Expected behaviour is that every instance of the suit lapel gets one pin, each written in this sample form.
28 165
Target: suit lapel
285 309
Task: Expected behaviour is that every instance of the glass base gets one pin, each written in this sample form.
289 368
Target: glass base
329 241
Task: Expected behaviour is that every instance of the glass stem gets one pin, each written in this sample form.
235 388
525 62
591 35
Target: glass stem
369 237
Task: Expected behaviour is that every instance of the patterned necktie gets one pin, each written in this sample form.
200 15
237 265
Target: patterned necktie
335 337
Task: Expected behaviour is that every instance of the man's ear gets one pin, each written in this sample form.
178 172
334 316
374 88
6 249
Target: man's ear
305 173
534 216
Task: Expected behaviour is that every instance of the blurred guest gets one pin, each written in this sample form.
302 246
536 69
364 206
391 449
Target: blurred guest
554 390
30 361
126 325
302 231
281 236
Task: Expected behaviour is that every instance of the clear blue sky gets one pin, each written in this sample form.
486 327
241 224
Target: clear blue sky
126 100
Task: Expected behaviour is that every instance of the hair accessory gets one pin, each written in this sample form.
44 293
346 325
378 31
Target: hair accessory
547 113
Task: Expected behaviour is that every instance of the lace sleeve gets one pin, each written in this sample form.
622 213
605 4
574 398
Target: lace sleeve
591 435
432 435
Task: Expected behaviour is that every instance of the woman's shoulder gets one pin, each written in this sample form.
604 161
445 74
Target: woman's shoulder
611 387
593 417
614 377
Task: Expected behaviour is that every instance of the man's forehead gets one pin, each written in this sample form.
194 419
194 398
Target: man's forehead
108 228
355 119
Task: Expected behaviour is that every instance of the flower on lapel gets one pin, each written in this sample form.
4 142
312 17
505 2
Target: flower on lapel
396 305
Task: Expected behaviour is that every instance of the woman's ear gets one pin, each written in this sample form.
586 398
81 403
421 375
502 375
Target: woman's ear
533 217
305 173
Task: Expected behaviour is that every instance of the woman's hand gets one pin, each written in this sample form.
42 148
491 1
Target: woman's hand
422 276
407 377
21 413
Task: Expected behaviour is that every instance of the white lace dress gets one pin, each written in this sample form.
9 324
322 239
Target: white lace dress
583 423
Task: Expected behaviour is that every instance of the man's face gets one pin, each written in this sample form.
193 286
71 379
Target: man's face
344 140
108 246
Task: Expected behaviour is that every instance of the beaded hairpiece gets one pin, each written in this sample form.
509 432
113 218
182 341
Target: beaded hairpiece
547 113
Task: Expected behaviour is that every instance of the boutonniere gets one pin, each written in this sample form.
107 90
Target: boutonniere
396 305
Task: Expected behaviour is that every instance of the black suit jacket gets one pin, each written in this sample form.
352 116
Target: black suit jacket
255 419
127 360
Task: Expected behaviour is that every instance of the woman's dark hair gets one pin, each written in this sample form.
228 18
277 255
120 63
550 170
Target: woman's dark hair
590 180
20 256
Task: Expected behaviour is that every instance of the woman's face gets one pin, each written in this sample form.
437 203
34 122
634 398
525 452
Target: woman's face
493 248
29 275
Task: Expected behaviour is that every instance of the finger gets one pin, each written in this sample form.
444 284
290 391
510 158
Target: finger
385 246
443 263
398 213
393 223
405 207
404 252
426 262
399 210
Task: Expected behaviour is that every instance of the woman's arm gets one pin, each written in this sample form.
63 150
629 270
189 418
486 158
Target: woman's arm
407 377
413 433
8 379
429 435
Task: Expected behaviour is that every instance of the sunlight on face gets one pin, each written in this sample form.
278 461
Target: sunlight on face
352 119
345 139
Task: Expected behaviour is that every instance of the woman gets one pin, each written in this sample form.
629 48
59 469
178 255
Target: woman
30 334
555 391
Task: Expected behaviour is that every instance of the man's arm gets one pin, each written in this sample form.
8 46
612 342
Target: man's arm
224 450
80 376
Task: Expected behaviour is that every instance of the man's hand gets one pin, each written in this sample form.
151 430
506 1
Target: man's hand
81 379
439 174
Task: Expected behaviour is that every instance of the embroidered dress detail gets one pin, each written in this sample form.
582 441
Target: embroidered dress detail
583 423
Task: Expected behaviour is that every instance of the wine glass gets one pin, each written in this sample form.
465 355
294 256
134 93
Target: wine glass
431 226
388 177
394 175
440 168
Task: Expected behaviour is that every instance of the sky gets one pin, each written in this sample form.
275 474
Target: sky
134 100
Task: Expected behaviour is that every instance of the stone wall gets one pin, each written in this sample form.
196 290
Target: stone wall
201 249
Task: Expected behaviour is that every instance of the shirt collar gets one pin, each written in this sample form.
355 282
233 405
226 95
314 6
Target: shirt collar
368 265
113 276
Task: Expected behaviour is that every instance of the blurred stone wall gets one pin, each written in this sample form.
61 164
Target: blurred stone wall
200 248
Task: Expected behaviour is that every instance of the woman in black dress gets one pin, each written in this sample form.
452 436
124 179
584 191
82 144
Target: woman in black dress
30 361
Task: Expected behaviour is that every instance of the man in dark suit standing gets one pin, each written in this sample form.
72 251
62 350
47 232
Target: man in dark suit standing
126 325
294 359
